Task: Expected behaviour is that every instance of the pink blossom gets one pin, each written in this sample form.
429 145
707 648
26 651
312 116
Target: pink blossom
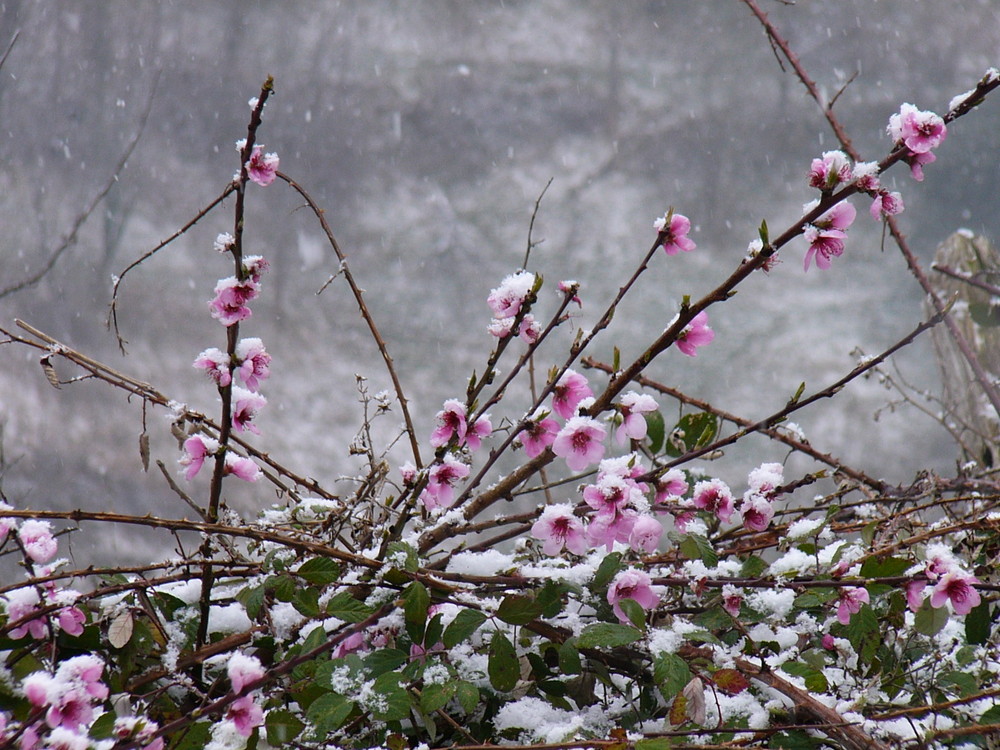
196 449
830 171
351 644
960 589
37 540
645 534
635 585
580 442
850 603
253 362
695 334
886 204
245 714
538 436
917 162
246 405
529 330
632 407
505 301
215 363
7 524
451 423
139 730
22 603
441 480
865 176
915 594
568 392
731 600
757 512
829 642
241 467
612 494
671 484
681 520
826 235
766 479
254 267
571 287
71 620
85 670
558 527
224 242
920 131
408 472
674 237
500 327
261 168
715 497
482 428
242 670
605 529
71 708
231 298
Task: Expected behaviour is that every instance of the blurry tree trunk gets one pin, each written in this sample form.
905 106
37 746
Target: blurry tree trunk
978 318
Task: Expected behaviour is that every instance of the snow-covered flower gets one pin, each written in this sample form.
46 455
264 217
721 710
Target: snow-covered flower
833 169
920 131
766 479
827 234
635 585
7 524
224 242
242 467
37 539
695 334
246 405
254 267
714 496
757 512
22 603
632 407
242 670
569 391
231 297
958 588
673 237
253 361
538 435
505 301
558 527
245 714
479 429
731 599
866 176
261 167
571 287
917 162
580 442
196 449
215 363
671 484
850 603
915 593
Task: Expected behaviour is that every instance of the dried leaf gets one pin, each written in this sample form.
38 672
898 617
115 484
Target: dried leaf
120 631
144 450
50 371
694 691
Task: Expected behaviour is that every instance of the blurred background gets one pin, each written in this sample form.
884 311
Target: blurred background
427 131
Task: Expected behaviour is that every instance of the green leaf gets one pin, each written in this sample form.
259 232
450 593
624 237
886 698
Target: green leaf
607 635
503 666
985 314
656 431
328 712
319 571
104 727
634 612
569 657
283 587
404 551
345 607
655 743
978 623
437 696
385 660
252 598
697 547
966 683
282 727
416 600
753 566
316 636
795 739
195 738
815 680
467 695
607 570
397 702
692 431
466 622
671 674
518 610
991 715
550 598
930 620
891 566
762 233
306 601
868 533
863 633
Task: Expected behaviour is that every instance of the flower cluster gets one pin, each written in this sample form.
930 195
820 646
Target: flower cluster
950 583
262 168
245 712
672 230
826 234
453 425
68 699
506 301
920 132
